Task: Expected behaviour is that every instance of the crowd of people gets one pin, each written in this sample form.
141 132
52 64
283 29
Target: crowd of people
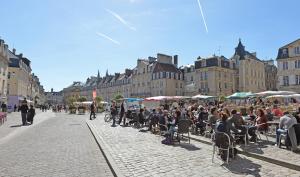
214 117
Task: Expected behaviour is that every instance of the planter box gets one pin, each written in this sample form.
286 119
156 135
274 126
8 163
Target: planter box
81 111
72 111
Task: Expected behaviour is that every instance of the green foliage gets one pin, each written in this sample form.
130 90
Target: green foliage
71 100
222 98
98 100
118 97
82 99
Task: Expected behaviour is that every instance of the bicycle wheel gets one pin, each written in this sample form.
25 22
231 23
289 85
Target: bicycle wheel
107 117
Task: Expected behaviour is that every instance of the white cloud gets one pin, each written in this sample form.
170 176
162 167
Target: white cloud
108 38
122 20
202 14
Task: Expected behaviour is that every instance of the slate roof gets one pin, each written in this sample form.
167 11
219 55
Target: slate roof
164 67
14 62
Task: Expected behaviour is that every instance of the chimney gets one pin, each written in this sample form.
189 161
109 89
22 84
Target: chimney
175 60
52 90
21 55
14 51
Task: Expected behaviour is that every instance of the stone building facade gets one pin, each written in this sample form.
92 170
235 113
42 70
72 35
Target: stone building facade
271 75
250 75
288 61
4 60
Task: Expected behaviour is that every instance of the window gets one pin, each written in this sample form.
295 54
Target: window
164 74
192 79
285 65
201 76
8 76
297 64
297 50
225 85
205 76
286 80
297 79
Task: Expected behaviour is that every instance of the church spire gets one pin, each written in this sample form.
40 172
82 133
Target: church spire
240 49
106 73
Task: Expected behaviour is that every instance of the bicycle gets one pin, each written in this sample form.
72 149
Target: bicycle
108 117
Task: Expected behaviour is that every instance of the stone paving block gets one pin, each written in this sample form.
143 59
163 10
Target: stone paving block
134 152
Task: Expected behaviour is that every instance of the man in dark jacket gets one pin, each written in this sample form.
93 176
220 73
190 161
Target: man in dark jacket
93 107
24 110
31 114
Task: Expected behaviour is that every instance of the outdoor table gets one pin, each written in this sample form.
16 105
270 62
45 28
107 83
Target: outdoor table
273 123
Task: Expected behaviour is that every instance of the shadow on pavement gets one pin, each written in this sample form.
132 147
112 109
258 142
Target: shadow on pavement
189 147
15 126
243 166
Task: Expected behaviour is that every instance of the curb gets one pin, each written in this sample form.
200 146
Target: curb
256 156
110 161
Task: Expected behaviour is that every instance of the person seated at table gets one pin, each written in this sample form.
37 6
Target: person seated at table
213 117
260 125
251 113
238 122
171 124
163 119
177 115
153 118
286 124
141 117
277 111
269 114
191 116
203 116
224 126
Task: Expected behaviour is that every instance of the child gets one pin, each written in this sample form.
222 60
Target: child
31 114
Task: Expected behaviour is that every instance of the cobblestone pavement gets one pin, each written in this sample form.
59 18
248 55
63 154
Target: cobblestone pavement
59 146
267 149
139 154
13 125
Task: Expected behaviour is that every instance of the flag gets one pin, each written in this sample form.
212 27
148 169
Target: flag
94 94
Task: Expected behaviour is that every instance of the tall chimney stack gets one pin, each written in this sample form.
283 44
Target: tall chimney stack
175 60
14 51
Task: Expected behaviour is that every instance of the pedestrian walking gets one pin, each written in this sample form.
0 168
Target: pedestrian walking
114 112
24 110
93 107
122 113
15 108
3 107
31 114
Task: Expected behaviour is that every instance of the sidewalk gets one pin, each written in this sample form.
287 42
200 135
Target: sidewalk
13 125
137 153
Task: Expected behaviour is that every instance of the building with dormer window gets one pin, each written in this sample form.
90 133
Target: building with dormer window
288 62
250 76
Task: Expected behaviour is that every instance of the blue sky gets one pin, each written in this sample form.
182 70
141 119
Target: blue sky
69 40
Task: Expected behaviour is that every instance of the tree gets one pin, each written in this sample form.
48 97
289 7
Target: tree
98 99
71 100
118 97
82 99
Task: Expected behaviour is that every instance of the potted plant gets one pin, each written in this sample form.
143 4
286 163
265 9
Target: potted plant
81 109
72 109
99 103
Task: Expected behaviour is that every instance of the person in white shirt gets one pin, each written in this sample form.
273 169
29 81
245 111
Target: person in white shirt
286 124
